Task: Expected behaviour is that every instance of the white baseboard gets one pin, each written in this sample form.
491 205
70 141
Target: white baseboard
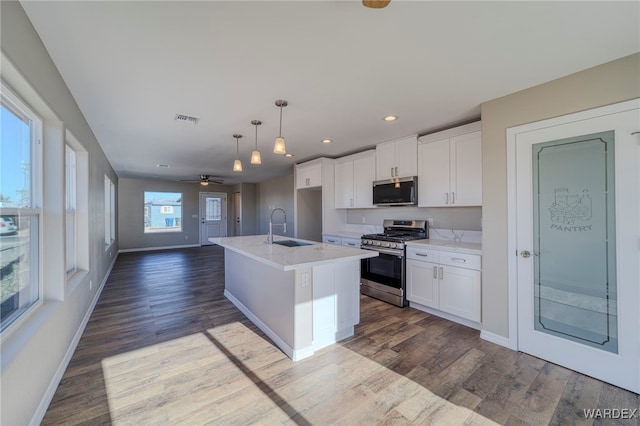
157 248
294 354
55 380
496 338
445 315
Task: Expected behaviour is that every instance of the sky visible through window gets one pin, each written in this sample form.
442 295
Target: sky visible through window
15 156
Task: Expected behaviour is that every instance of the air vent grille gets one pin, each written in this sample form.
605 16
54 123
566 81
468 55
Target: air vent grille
187 118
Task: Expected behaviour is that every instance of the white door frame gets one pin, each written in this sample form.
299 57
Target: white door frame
512 134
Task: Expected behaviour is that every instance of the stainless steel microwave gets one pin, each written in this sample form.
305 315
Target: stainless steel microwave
396 192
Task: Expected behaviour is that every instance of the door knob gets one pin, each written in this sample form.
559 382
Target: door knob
525 253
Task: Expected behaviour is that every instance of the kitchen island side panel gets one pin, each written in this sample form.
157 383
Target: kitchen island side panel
265 291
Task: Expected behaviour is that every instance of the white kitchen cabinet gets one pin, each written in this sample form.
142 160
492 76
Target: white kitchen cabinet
350 242
422 277
450 168
332 239
447 281
397 158
308 175
354 176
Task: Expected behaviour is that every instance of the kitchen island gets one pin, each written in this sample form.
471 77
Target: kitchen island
303 297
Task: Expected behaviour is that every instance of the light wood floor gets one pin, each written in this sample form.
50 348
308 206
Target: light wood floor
164 346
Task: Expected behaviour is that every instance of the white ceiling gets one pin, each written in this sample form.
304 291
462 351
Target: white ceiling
133 65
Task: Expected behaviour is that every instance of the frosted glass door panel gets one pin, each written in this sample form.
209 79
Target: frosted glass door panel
574 240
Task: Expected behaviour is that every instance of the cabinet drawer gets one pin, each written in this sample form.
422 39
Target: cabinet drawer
424 254
331 239
461 260
351 242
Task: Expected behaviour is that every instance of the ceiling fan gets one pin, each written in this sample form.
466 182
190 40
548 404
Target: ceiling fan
205 180
376 4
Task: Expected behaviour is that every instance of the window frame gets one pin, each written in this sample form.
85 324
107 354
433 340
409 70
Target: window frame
109 213
21 109
71 208
148 212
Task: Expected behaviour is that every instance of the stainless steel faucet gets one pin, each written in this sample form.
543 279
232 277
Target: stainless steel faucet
283 224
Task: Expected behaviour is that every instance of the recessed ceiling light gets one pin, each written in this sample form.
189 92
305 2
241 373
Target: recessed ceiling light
163 166
326 141
390 118
288 155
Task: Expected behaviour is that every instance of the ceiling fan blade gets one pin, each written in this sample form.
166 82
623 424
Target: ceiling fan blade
376 4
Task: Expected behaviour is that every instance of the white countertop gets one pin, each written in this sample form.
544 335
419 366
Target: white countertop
290 258
462 247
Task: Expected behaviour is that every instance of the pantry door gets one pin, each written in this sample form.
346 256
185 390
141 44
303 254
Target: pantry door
577 204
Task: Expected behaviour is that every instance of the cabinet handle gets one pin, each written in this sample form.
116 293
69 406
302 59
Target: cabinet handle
396 171
435 272
351 202
441 272
392 172
459 259
351 244
332 241
453 198
422 254
446 198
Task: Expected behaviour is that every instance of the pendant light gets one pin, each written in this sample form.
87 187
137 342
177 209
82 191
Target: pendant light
237 165
255 155
279 147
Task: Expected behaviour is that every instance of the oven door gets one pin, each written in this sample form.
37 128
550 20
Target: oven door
386 269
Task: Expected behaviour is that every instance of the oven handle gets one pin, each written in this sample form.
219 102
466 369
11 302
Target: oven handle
385 251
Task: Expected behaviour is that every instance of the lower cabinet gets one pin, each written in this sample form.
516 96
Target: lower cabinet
332 239
341 241
444 280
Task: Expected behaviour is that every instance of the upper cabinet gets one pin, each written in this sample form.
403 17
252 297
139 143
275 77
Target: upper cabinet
450 167
354 176
397 158
309 175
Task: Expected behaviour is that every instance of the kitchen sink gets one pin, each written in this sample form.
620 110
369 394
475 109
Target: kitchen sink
291 243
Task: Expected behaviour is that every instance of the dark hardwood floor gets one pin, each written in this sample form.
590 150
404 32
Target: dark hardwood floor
164 346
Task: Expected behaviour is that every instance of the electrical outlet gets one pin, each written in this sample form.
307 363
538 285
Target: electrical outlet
90 284
305 280
364 219
430 221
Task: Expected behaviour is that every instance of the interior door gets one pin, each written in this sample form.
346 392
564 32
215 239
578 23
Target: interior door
237 208
578 227
213 216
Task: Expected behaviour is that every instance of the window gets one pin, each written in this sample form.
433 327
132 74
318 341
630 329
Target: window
70 209
76 167
109 212
20 208
162 212
213 208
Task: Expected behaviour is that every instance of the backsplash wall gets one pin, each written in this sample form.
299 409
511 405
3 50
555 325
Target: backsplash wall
467 218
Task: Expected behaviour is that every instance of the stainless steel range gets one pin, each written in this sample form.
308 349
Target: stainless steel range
383 277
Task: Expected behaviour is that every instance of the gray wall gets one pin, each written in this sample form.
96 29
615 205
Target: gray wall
249 207
131 213
605 84
468 218
32 356
277 192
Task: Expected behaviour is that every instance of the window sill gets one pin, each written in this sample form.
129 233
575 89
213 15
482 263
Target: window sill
74 280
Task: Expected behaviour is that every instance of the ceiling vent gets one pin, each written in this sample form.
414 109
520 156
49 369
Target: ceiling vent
187 118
